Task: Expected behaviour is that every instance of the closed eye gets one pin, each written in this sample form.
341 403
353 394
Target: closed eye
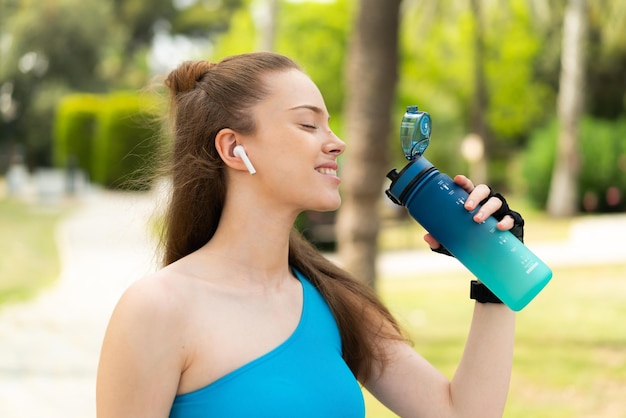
307 126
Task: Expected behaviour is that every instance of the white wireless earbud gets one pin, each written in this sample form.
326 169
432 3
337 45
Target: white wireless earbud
241 153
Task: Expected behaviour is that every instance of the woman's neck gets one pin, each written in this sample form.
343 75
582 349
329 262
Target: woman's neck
253 237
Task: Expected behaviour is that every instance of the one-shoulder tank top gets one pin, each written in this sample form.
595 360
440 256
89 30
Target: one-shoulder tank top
303 377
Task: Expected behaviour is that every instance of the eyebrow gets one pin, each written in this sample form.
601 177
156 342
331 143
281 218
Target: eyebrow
310 107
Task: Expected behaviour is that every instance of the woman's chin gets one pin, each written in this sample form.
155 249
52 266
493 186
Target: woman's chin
335 205
328 206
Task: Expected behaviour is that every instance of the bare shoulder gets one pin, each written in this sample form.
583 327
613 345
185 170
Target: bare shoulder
154 298
166 305
149 314
145 349
148 345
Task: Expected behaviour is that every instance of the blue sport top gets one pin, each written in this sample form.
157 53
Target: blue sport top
303 377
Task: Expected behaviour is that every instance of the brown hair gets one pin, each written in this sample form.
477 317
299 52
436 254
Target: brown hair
205 98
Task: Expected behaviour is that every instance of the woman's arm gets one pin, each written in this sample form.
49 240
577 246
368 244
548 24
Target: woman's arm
412 387
142 354
481 383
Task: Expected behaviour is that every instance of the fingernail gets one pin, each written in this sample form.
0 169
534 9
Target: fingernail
479 216
469 204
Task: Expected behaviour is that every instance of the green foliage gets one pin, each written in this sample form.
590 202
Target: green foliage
517 99
53 39
61 46
54 47
438 69
537 164
204 17
436 75
36 131
606 59
139 16
47 50
74 131
436 57
603 172
240 39
602 178
114 138
318 45
125 141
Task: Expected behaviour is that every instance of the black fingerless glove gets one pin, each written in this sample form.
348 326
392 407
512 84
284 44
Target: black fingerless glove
518 221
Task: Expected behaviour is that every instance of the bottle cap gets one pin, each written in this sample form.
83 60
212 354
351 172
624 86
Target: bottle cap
415 130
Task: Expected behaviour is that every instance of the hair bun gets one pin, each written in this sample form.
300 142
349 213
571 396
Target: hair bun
185 76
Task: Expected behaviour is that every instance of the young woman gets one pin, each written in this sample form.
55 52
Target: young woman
246 319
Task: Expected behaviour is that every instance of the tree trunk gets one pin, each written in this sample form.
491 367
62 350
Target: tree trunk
478 123
563 195
268 22
371 79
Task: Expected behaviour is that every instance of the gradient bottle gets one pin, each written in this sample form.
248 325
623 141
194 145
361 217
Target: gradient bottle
497 258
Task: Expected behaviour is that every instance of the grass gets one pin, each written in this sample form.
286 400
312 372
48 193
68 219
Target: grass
570 353
570 356
29 260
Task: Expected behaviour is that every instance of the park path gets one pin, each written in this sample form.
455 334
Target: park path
49 346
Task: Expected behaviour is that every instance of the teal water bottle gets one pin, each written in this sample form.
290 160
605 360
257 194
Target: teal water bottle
497 258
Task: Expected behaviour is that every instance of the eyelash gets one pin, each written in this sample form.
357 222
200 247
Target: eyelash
309 126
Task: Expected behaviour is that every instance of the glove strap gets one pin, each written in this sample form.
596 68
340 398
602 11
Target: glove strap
481 294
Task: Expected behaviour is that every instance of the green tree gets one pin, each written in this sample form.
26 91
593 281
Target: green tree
318 45
138 21
41 62
51 48
606 59
472 64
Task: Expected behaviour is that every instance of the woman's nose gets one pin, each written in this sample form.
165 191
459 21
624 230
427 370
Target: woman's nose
334 145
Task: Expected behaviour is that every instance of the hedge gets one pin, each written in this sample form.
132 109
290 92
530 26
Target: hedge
602 179
125 141
113 138
74 131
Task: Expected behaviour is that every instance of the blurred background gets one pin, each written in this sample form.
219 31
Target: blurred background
526 95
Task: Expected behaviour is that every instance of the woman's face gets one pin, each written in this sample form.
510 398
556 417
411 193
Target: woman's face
293 149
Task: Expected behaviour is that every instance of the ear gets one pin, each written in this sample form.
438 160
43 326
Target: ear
225 143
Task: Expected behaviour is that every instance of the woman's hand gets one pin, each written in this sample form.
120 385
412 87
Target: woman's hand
490 204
